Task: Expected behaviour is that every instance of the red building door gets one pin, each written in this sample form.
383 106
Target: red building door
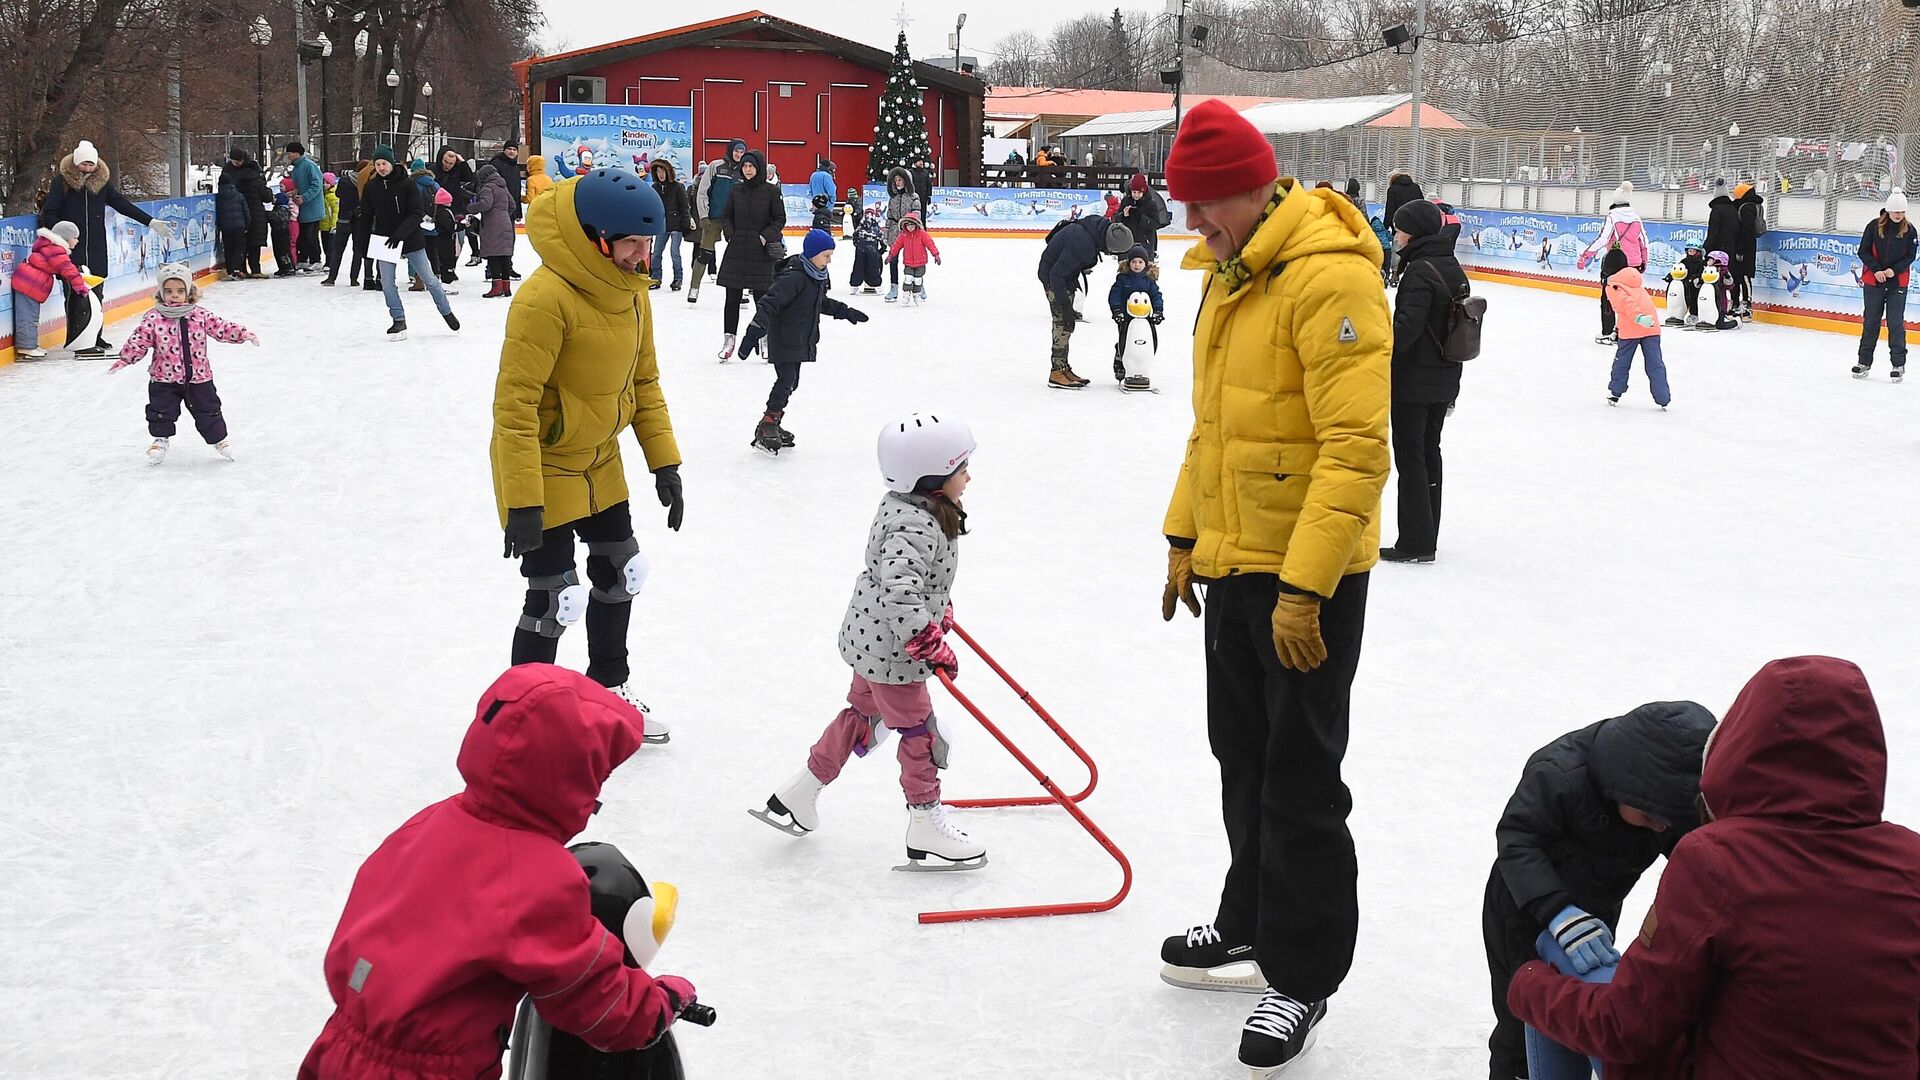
852 111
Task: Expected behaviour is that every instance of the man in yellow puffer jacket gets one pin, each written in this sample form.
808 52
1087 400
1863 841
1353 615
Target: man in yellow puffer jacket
1277 506
576 369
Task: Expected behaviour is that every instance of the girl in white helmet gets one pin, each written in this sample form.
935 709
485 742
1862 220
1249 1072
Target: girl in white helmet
893 637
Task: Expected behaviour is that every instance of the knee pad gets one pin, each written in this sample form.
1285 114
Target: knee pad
618 570
877 731
941 749
560 600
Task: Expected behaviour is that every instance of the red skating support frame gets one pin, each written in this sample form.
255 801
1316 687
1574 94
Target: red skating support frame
1093 771
1055 795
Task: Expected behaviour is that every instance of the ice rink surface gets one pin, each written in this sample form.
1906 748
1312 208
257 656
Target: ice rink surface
222 685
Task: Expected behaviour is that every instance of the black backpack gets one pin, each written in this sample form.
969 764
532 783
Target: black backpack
1465 315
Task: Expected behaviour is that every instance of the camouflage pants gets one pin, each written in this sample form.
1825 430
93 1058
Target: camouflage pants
1064 320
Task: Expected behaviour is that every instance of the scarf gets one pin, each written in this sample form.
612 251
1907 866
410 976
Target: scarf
1232 273
173 311
813 271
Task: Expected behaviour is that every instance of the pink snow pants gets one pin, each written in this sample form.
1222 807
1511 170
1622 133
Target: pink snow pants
899 707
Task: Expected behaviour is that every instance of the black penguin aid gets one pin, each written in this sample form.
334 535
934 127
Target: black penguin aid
640 915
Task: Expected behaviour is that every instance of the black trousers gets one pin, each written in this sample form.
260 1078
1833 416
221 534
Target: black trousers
78 314
335 243
1615 261
234 243
1280 736
786 379
1416 456
202 401
308 246
473 242
1509 934
730 313
282 247
360 261
447 246
606 623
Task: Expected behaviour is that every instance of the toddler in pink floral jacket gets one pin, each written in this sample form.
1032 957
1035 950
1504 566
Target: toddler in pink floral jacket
176 331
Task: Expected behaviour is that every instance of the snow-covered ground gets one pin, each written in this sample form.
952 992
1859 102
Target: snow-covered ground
222 684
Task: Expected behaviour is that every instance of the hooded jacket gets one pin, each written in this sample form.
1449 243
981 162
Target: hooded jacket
239 202
1430 277
1401 190
1073 249
577 367
49 259
494 205
902 200
1723 226
1144 214
716 184
673 195
1748 208
83 200
1561 840
753 218
1784 943
1627 295
913 245
394 207
510 170
789 313
1624 227
539 180
475 902
1288 454
1126 283
458 180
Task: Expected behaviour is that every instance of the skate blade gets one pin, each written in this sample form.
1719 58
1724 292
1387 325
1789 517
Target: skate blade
1255 1072
935 865
770 451
1217 979
791 828
1124 388
657 738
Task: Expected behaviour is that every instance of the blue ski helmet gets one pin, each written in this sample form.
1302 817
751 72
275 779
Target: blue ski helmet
612 203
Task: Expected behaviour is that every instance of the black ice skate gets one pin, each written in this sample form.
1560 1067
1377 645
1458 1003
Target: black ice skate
1897 374
1860 370
398 331
1279 1033
766 435
1395 555
1137 384
1201 959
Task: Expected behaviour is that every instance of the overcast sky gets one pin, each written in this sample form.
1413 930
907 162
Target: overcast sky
580 23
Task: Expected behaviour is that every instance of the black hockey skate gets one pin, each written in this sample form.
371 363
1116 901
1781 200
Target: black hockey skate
1201 959
766 435
1279 1033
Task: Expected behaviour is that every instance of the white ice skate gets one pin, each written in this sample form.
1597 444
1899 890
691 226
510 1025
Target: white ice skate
794 808
656 730
157 452
726 348
936 845
224 449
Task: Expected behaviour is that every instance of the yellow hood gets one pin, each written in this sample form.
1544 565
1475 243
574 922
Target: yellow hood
554 230
1308 221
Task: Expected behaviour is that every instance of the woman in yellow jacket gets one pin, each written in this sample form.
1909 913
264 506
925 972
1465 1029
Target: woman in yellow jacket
577 368
1277 504
539 181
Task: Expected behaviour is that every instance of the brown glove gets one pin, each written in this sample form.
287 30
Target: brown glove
1296 632
1179 584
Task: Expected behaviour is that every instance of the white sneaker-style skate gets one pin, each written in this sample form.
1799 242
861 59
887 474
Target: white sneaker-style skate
936 845
726 348
657 730
224 449
793 808
157 452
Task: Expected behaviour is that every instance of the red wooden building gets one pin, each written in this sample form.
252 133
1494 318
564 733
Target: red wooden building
797 93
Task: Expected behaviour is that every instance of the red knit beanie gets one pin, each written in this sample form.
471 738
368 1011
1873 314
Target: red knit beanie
1217 154
1138 185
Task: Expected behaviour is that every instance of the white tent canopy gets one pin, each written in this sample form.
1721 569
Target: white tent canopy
1125 123
1321 114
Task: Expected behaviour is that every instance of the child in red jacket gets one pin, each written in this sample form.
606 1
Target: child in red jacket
475 903
1784 937
33 282
912 245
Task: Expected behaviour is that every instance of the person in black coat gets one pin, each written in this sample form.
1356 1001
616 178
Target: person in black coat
452 173
81 192
1887 248
1723 222
1144 213
923 186
507 164
1748 212
1594 808
679 219
347 189
394 205
1401 190
239 214
754 215
787 316
1425 383
1073 248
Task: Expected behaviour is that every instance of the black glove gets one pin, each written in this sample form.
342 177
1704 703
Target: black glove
525 530
777 251
666 484
1156 318
855 316
394 242
1120 316
749 343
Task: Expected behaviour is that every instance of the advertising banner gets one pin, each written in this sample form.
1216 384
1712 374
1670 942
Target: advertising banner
134 253
574 138
984 209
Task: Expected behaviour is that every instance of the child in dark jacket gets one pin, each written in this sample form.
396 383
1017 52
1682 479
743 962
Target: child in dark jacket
1593 810
869 240
1687 272
50 259
788 318
176 329
823 212
1133 278
280 220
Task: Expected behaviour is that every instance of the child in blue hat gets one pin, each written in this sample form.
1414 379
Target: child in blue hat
788 319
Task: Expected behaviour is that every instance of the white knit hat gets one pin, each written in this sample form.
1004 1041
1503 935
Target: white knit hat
1623 193
176 272
85 154
1897 202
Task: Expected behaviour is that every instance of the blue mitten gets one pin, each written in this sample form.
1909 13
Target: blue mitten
1585 939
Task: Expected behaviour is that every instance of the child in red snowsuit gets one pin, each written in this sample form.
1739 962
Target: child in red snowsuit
913 245
51 258
476 902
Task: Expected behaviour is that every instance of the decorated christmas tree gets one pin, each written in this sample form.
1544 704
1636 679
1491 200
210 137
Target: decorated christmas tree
900 138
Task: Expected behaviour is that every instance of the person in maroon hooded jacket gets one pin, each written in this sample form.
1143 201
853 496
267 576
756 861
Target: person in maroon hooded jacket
1784 943
476 902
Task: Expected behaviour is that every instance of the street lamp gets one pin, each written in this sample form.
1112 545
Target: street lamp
393 93
962 21
260 32
319 49
426 91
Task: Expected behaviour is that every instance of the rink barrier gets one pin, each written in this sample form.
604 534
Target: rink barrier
134 253
1055 795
